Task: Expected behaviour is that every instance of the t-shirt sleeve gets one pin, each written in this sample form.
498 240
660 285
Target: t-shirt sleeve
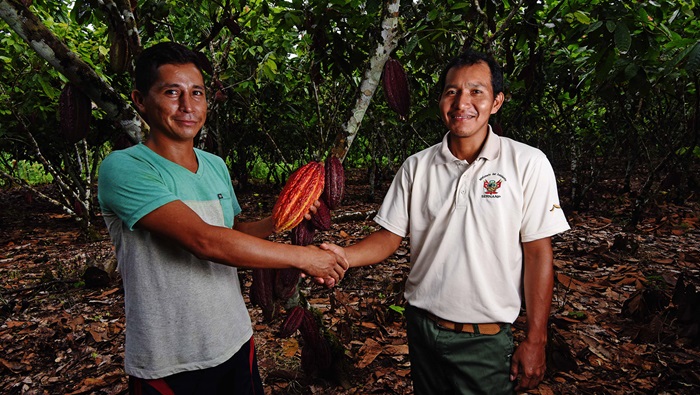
542 212
130 188
393 215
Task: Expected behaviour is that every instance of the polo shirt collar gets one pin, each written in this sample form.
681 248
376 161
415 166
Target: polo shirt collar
489 151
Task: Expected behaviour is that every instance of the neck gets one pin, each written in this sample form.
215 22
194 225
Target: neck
180 153
466 148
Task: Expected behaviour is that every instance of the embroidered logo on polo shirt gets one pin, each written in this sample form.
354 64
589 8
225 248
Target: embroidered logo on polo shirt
492 183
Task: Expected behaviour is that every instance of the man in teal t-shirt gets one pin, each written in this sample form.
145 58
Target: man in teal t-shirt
170 212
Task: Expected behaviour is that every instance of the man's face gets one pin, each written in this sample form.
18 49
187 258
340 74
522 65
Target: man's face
176 105
467 100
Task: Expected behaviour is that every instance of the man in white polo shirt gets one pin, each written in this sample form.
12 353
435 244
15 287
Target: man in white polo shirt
480 210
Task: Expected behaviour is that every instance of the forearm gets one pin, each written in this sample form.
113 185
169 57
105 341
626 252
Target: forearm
177 222
373 249
261 229
538 283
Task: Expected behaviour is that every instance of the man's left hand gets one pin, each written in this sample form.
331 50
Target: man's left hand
528 365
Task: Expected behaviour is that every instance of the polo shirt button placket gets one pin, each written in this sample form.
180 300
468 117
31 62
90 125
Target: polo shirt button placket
462 186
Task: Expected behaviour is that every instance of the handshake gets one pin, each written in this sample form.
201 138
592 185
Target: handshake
330 266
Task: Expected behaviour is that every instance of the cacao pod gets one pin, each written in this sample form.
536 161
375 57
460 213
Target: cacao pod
119 54
309 327
286 281
334 185
295 316
262 291
303 234
75 112
395 84
316 358
321 220
303 187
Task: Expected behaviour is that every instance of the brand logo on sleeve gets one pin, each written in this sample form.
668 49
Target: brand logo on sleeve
492 183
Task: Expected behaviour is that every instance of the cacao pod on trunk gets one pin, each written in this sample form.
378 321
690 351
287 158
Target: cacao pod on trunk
75 112
321 220
286 281
316 358
303 187
262 291
119 54
303 234
395 84
309 327
334 185
295 316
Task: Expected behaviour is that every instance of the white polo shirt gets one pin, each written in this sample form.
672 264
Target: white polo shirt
466 224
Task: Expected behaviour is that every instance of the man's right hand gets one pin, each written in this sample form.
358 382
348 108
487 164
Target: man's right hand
339 252
326 267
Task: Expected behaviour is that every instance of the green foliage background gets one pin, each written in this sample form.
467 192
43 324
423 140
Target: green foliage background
601 87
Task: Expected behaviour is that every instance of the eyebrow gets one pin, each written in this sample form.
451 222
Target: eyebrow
176 85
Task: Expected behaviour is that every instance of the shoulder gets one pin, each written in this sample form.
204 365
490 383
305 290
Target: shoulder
122 158
209 157
423 157
521 151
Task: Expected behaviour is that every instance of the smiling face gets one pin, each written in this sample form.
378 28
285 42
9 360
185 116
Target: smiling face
175 106
467 101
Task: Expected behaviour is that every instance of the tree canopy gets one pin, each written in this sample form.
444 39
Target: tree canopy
598 86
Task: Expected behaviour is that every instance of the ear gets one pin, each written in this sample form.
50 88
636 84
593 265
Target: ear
138 99
497 102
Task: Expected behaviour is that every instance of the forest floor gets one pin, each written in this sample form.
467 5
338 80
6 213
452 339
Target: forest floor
625 316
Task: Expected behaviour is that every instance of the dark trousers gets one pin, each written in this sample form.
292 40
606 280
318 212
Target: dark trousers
444 362
239 375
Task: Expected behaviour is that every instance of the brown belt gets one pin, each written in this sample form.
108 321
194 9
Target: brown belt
485 329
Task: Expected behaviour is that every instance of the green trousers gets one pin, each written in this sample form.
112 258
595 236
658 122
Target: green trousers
448 363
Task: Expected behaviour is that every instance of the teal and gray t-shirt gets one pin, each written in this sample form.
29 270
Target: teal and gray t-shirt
182 313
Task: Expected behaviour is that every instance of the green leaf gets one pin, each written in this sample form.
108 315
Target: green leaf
631 71
594 26
623 39
610 25
459 6
582 17
693 59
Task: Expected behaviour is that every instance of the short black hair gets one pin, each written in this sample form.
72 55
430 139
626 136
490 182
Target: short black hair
147 64
470 57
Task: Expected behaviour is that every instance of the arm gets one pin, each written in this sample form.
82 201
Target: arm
372 249
529 359
233 247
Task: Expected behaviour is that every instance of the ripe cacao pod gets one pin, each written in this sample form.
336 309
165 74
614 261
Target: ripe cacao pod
321 220
303 187
395 84
295 316
262 291
316 358
75 112
119 54
334 185
303 234
286 281
309 327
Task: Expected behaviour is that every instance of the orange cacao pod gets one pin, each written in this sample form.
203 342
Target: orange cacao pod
303 234
295 316
75 111
334 186
395 84
321 220
303 187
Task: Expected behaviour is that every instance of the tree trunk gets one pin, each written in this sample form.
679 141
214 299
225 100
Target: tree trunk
49 47
372 76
